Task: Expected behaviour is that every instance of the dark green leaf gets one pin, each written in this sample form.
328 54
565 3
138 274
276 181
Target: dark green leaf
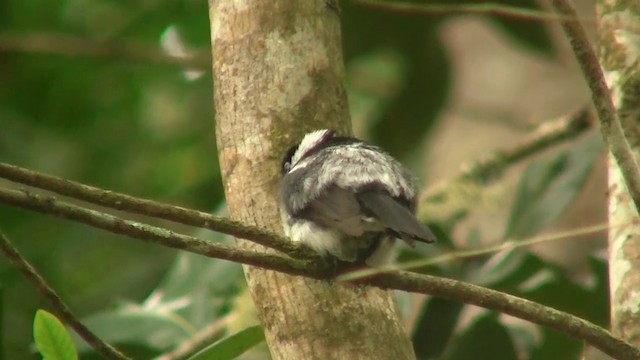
599 297
556 345
486 338
548 186
232 346
51 338
434 327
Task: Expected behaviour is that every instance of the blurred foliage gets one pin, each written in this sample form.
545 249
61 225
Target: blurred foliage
146 129
232 346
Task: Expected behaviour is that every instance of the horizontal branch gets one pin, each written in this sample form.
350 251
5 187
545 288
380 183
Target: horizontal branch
117 225
60 308
446 288
114 200
60 44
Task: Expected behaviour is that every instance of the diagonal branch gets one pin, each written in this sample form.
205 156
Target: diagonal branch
61 309
490 168
610 126
446 288
118 201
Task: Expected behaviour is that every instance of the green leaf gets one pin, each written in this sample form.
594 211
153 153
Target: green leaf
52 338
557 345
486 338
434 328
548 186
232 346
207 283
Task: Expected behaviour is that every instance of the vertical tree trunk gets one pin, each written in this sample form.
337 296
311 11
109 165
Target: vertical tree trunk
619 26
277 69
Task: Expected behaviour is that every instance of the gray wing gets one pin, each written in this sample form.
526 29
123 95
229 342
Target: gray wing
395 216
337 208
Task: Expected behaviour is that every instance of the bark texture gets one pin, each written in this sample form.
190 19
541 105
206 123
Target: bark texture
278 73
619 45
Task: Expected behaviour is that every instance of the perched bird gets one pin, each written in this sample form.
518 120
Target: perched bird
348 199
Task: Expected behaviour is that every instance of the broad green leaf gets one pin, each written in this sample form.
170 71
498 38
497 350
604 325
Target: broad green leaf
548 186
485 338
52 338
207 283
591 304
433 329
232 346
557 345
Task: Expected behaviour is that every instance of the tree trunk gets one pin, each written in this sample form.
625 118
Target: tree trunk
278 73
619 27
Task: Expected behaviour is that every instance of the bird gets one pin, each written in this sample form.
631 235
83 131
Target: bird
347 199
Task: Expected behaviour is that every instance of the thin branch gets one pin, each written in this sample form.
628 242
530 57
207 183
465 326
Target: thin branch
449 9
472 253
446 288
199 341
114 200
60 44
61 309
487 170
51 206
512 305
611 128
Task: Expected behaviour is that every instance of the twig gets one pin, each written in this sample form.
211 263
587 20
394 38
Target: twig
446 288
60 44
146 207
611 128
447 9
136 230
61 309
471 253
484 171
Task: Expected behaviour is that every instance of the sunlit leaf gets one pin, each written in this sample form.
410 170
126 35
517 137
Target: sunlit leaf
434 327
51 338
232 346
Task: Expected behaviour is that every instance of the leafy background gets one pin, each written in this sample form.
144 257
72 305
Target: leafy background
436 91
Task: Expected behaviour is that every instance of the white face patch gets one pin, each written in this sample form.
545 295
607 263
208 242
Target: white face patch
308 143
